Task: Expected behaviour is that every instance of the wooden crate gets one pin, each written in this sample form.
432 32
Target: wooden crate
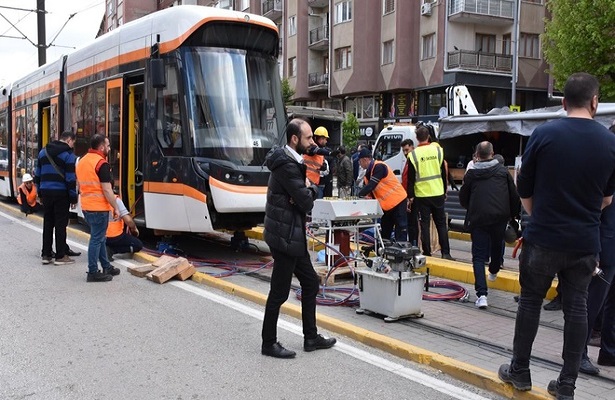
338 276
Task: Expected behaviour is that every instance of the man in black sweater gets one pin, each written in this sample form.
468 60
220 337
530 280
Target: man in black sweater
489 195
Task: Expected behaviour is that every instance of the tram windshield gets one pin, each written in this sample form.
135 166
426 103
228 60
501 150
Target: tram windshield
234 101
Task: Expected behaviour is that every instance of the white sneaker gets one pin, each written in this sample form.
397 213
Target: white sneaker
492 277
481 302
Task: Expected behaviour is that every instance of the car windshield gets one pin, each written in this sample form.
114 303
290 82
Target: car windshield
234 101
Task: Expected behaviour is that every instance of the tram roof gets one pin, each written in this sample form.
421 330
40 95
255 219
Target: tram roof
133 40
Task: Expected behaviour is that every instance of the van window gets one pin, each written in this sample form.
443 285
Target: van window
387 147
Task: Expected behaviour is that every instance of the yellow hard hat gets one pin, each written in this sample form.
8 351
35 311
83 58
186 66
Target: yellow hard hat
321 131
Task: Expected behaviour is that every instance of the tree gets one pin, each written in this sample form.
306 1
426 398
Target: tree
287 92
580 37
350 131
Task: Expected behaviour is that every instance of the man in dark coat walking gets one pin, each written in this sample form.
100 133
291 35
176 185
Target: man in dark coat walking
490 196
290 196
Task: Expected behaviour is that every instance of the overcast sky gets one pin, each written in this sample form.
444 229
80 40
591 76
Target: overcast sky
19 56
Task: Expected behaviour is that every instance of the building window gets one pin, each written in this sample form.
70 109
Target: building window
371 106
429 46
484 43
387 52
506 44
388 6
244 5
343 58
533 1
292 66
343 11
529 45
292 25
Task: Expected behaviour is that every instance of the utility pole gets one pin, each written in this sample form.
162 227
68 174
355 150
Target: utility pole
42 40
515 51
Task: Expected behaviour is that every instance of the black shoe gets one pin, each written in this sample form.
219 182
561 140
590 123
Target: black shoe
606 361
448 257
72 253
318 343
561 391
277 351
98 277
588 368
553 305
521 380
111 270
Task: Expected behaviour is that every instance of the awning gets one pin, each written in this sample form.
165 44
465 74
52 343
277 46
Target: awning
315 112
520 123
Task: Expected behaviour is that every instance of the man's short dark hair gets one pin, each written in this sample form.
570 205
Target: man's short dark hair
422 133
96 140
64 136
484 150
580 88
341 149
407 142
294 128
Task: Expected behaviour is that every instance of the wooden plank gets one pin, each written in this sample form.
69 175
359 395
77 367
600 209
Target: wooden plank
141 270
338 276
167 271
164 260
186 273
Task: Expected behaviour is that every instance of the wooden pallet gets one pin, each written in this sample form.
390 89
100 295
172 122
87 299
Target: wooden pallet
338 276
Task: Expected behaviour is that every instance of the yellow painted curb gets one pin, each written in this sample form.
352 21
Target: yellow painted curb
460 370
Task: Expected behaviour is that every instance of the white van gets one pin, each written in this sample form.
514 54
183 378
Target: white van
388 146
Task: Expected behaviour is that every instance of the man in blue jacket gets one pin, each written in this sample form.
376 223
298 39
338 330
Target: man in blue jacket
290 196
57 187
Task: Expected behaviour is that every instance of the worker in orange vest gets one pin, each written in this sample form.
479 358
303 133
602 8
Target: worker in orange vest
315 161
27 194
118 241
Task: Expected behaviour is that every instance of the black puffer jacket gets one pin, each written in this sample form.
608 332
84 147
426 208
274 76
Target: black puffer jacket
288 201
489 195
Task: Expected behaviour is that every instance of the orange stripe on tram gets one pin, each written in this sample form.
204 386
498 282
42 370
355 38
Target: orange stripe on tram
236 188
177 189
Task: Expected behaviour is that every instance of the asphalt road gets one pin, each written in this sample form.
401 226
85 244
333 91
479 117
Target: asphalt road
63 338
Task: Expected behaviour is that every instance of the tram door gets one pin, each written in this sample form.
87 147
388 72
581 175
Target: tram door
114 131
134 167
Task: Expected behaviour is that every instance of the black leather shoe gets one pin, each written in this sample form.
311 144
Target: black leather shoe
561 391
111 270
553 305
277 351
447 256
72 253
588 368
521 380
318 343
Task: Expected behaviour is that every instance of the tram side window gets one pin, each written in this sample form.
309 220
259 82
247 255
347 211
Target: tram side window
4 154
169 131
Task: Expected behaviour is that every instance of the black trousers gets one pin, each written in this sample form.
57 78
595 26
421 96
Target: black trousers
55 218
426 207
284 265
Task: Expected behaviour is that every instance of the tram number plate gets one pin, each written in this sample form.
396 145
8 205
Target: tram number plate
256 143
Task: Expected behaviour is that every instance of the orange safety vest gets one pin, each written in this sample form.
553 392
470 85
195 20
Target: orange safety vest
116 226
313 164
30 195
90 187
389 192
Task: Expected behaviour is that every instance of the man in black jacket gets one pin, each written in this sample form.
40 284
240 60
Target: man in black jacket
290 195
489 195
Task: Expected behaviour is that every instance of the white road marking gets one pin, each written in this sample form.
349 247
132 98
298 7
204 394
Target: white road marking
362 355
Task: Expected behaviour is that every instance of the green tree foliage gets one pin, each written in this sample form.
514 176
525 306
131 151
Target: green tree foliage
580 37
350 131
287 92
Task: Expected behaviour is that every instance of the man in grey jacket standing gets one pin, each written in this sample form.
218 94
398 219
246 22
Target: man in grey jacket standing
290 196
344 174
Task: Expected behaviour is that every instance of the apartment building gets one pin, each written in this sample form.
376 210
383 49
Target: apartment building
389 59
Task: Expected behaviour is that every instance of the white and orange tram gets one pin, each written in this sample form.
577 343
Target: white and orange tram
191 101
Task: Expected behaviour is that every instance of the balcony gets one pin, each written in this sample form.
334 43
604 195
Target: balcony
318 3
318 82
482 12
272 9
480 61
319 38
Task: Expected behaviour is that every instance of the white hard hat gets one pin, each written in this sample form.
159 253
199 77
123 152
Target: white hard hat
27 178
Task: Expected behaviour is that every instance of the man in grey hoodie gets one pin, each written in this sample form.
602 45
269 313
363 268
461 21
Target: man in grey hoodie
490 196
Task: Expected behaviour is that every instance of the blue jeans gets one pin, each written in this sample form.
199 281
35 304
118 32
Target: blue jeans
98 221
537 267
396 218
486 242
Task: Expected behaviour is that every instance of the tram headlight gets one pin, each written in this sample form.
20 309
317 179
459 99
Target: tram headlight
227 176
241 179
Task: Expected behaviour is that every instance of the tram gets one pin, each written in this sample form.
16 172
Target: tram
191 100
